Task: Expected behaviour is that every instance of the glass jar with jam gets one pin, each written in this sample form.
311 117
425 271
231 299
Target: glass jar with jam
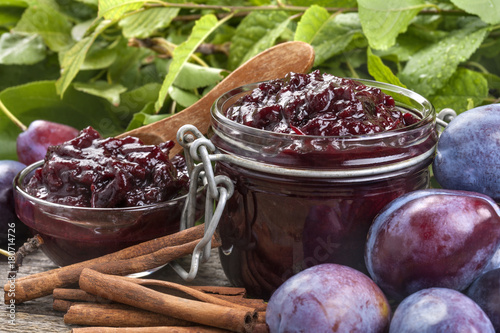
314 158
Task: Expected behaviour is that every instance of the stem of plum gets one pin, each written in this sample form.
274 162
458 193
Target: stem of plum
12 117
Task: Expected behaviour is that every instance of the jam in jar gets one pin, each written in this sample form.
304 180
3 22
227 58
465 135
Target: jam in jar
314 158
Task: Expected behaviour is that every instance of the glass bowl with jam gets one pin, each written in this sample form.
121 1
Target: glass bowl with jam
92 196
314 158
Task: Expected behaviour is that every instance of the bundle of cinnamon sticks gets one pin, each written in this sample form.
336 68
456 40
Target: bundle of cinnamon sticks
105 292
119 304
138 258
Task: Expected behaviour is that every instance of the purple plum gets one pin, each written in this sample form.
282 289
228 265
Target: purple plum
468 152
8 234
437 310
485 291
328 298
432 238
32 144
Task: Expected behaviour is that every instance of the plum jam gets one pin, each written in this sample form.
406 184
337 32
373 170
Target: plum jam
92 196
316 104
313 158
90 171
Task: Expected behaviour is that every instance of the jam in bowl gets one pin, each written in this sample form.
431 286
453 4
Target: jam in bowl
313 159
94 196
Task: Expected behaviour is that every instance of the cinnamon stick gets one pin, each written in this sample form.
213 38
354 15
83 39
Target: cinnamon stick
222 290
192 329
137 258
119 290
141 249
117 315
194 293
62 305
69 294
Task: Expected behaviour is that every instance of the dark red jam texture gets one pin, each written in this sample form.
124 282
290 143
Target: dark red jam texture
319 104
91 171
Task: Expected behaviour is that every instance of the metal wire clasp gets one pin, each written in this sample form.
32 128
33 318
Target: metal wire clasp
218 190
445 116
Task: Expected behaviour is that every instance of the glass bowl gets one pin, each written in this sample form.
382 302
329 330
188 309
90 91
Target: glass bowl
73 234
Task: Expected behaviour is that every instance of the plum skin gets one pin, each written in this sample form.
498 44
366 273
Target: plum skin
8 171
32 144
468 155
328 298
435 310
485 291
432 238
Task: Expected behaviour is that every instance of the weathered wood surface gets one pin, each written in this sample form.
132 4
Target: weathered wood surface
38 315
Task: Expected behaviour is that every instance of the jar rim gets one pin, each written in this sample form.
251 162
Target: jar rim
428 116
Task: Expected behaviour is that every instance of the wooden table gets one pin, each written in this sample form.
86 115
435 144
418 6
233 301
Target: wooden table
38 316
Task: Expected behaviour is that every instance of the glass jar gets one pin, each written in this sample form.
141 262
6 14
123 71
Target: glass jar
303 200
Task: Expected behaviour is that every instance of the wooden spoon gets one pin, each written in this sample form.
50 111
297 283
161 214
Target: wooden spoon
272 63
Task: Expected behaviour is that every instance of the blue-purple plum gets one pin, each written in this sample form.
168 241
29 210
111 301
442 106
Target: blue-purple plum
494 262
32 144
8 171
485 291
437 310
432 238
468 152
328 298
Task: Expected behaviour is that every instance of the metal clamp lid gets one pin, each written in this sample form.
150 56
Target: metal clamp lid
218 190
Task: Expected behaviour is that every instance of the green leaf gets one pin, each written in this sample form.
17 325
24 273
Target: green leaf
493 80
39 100
14 3
45 19
384 20
182 97
194 76
428 70
325 3
99 56
126 69
144 24
18 49
487 10
114 9
47 69
464 85
202 29
9 16
134 101
313 20
73 59
145 116
329 35
110 92
380 71
257 32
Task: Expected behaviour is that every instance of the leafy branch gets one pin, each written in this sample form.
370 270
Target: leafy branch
117 65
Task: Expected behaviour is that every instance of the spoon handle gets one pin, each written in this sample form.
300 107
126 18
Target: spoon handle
272 63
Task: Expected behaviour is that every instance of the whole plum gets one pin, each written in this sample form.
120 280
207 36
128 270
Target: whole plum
32 144
432 238
468 152
437 310
328 298
494 262
485 291
8 171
